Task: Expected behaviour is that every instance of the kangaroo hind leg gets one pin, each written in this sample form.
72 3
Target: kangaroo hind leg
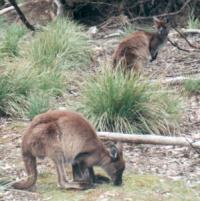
59 161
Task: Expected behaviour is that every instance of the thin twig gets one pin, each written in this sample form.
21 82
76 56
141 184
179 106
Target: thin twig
194 148
185 38
175 44
164 14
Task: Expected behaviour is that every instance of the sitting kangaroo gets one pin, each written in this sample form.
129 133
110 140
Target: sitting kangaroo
134 51
67 137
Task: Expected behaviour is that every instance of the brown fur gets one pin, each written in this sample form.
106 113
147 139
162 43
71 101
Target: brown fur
134 51
67 137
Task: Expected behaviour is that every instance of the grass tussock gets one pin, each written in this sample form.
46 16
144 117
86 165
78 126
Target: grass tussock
127 103
18 88
11 103
62 44
193 22
10 38
192 86
33 78
38 102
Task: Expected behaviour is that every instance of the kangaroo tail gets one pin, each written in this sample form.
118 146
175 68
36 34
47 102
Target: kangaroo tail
31 169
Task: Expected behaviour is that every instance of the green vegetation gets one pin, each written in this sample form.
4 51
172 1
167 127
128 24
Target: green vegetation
192 86
135 188
10 38
193 22
18 91
3 27
62 44
38 102
10 102
127 103
33 73
129 30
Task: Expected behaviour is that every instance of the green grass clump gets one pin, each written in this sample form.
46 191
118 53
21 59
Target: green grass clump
193 22
38 102
126 103
62 44
18 89
43 58
52 81
128 30
11 103
10 38
3 26
192 86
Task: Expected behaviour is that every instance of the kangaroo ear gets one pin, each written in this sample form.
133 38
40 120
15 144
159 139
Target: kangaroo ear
114 153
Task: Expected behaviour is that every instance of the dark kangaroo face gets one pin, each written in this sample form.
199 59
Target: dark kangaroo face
117 165
162 26
117 173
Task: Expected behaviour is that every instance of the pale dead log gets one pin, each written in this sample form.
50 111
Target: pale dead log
148 139
174 80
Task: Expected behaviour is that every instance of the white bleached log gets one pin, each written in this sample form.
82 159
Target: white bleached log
148 139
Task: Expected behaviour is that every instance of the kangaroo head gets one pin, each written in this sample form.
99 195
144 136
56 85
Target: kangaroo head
162 25
116 166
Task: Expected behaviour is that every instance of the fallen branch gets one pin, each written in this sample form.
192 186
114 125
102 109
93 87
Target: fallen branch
174 80
148 139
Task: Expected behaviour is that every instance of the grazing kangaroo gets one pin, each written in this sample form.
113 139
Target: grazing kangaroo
67 137
134 51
